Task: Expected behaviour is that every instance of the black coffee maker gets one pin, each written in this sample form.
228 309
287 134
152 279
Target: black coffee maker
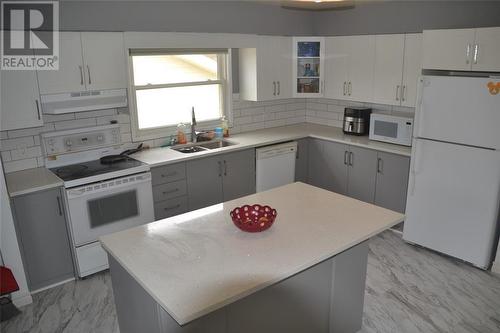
356 121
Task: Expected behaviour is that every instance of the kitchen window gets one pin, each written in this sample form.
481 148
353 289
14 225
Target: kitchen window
167 84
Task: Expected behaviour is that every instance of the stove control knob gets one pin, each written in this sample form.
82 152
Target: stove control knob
69 143
100 138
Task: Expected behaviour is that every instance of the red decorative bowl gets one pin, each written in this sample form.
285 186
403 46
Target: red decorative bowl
253 218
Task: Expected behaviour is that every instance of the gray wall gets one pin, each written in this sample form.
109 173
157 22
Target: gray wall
406 16
185 16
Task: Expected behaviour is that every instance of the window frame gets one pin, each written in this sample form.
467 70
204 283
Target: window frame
225 81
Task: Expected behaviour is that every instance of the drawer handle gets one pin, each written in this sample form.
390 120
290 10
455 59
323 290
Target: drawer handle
172 207
170 191
169 174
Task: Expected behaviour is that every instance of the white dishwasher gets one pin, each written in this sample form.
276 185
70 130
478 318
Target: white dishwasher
275 165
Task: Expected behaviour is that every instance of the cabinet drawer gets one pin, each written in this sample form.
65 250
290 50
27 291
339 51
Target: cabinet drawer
168 173
169 190
170 207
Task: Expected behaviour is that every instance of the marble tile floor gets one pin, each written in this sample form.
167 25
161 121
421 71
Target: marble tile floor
408 289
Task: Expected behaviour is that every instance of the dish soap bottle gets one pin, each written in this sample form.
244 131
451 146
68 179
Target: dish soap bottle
225 127
181 134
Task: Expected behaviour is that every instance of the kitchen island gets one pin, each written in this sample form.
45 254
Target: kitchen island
197 272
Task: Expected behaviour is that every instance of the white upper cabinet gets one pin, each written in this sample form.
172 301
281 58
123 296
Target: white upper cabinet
389 53
265 71
397 68
88 61
20 101
104 60
462 49
412 69
337 67
349 67
70 75
360 86
487 47
308 66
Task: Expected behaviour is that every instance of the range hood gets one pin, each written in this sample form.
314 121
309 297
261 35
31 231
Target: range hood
83 101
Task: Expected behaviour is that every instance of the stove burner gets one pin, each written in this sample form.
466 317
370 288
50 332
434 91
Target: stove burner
73 170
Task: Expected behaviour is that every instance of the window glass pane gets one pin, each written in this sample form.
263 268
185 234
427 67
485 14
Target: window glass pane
176 68
170 106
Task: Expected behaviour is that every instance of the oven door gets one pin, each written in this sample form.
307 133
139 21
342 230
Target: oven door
109 206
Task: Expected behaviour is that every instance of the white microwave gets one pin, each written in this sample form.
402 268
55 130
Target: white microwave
392 129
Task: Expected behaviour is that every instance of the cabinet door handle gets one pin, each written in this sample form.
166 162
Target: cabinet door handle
397 93
345 157
172 207
467 54
350 88
220 168
476 53
403 93
380 165
225 168
344 88
351 158
38 109
81 76
279 89
274 88
88 71
59 207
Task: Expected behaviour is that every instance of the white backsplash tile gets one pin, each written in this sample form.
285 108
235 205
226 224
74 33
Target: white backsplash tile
20 149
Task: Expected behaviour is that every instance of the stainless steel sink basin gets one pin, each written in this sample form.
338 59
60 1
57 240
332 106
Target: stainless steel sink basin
197 147
216 144
190 149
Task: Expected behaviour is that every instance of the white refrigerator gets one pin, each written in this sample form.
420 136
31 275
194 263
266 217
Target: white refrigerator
454 185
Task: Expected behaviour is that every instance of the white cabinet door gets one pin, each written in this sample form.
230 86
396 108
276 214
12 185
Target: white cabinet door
488 50
104 60
284 89
362 59
448 49
20 101
412 69
70 76
389 51
336 67
267 68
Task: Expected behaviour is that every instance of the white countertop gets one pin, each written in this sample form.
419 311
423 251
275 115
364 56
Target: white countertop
195 263
160 156
31 180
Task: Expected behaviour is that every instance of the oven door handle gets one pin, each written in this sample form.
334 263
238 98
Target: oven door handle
108 186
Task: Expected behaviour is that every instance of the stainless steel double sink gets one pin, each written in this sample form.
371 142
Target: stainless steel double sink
202 146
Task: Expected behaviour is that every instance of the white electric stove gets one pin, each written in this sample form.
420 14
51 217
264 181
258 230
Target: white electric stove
103 195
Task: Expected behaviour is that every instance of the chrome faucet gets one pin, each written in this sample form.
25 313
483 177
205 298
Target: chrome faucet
193 124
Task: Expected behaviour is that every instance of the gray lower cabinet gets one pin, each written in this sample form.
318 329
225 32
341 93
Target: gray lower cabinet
328 168
169 190
302 161
220 178
204 182
392 181
362 173
42 233
238 174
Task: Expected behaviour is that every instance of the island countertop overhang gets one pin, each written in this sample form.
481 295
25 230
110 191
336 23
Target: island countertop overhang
198 262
